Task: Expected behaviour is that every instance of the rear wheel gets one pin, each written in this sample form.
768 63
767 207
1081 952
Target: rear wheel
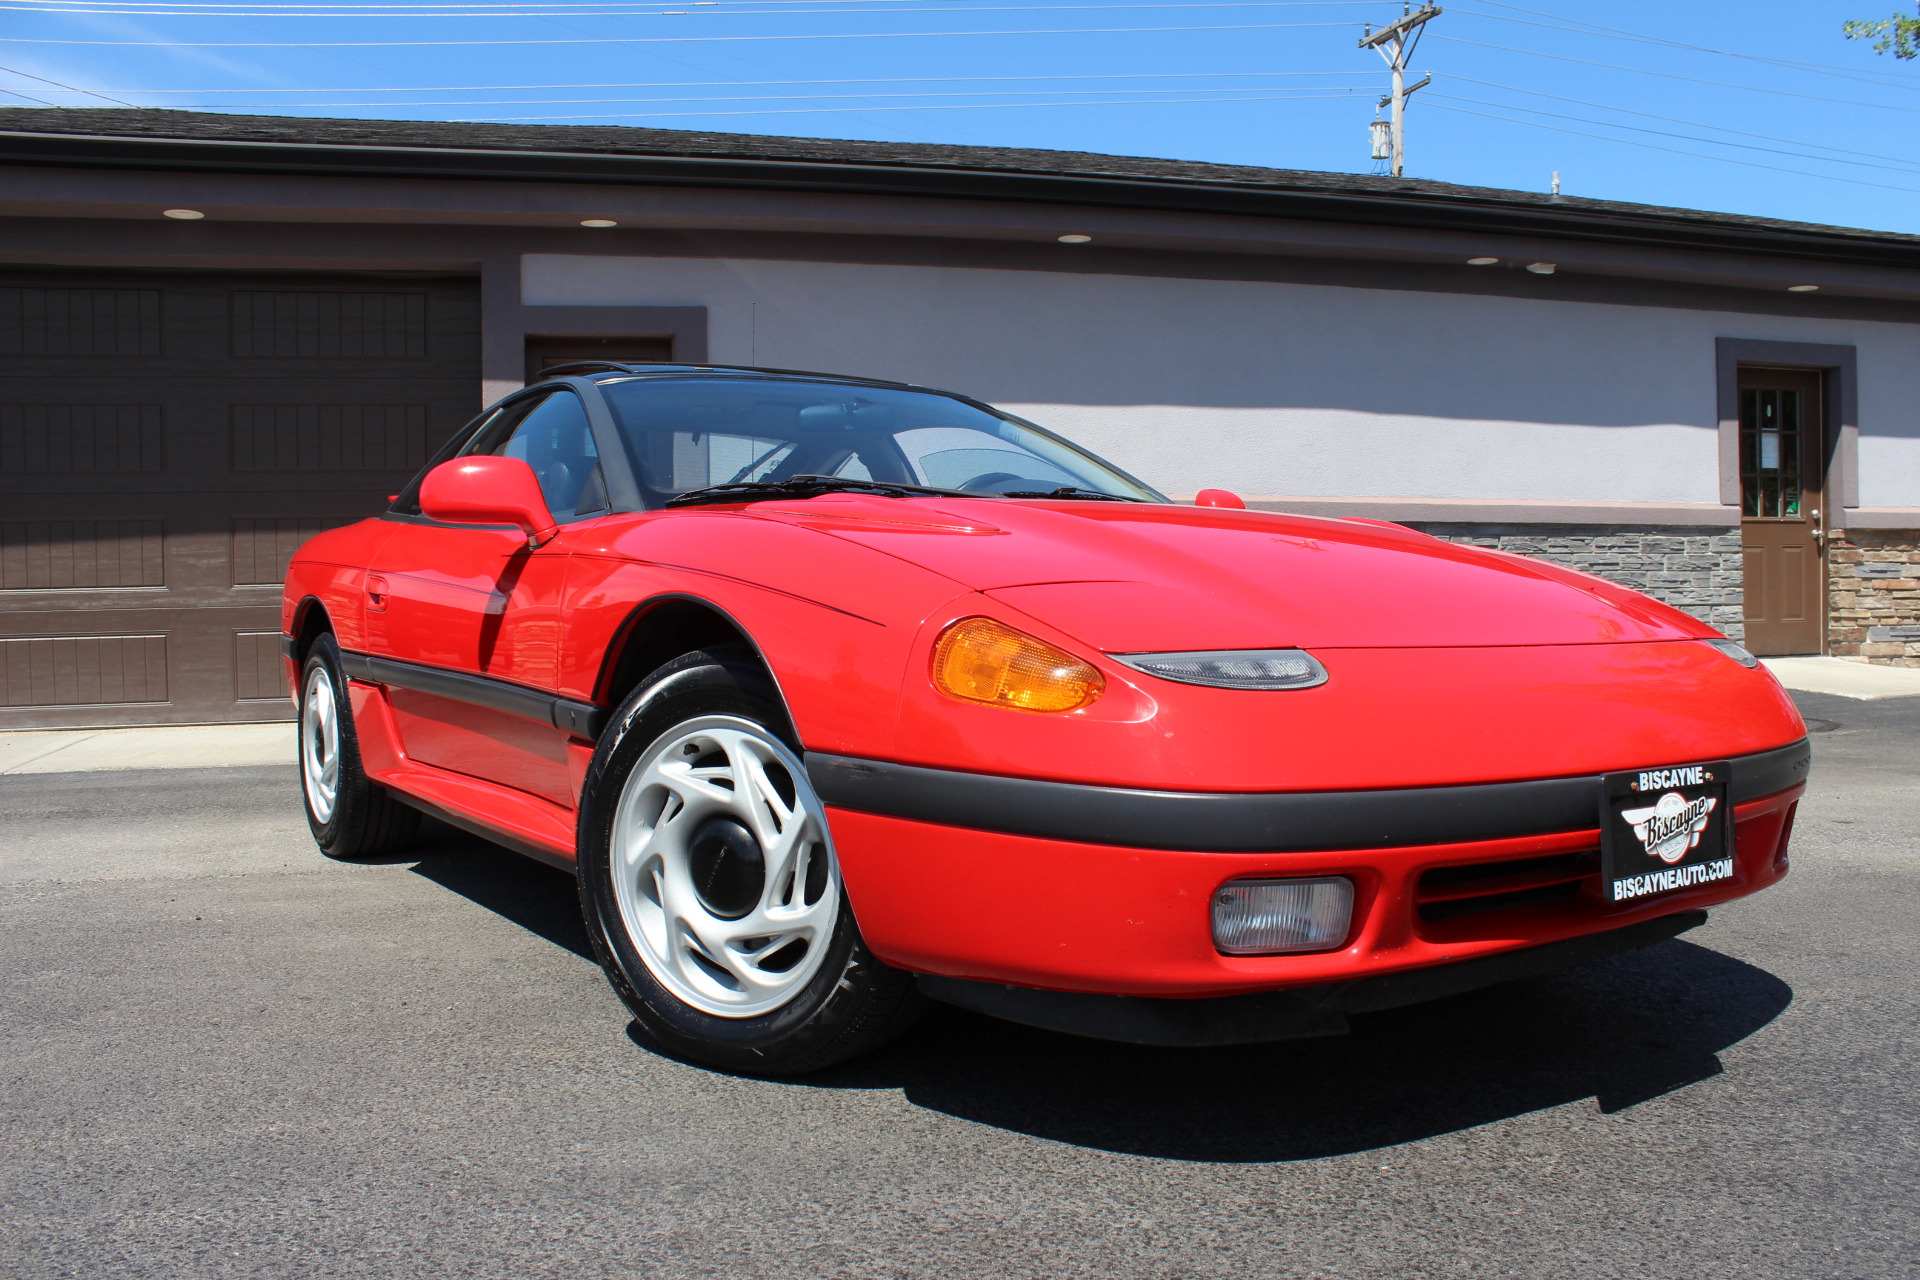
709 883
350 815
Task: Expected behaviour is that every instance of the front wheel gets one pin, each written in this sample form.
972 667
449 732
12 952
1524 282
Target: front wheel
709 883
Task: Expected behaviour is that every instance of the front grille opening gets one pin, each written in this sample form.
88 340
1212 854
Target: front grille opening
1448 893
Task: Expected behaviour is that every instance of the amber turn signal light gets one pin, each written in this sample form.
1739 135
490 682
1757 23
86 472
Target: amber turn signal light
980 660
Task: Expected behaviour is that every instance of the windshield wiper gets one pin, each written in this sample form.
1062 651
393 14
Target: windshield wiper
805 487
1071 493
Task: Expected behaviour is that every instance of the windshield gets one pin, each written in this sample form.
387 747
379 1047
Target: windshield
689 433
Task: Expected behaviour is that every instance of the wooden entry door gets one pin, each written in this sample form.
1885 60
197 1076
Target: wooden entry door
545 353
1782 526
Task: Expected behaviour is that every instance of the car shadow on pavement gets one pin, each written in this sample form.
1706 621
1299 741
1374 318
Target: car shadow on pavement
1621 1031
539 898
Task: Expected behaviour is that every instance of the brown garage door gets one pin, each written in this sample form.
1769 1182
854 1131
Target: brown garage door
166 442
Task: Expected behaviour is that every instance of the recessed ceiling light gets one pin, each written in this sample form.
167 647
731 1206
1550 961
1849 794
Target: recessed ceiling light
1076 239
1803 288
1542 268
186 215
598 222
1482 262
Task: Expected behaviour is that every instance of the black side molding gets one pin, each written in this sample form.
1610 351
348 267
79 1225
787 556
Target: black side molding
290 646
581 719
1295 1013
1246 822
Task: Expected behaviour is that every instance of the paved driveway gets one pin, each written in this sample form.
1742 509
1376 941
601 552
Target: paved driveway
225 1056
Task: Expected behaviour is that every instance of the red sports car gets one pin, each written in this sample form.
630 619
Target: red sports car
839 694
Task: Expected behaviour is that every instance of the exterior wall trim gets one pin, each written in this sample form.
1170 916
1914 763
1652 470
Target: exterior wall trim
1883 518
1841 364
1499 511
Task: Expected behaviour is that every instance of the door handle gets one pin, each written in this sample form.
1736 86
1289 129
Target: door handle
377 594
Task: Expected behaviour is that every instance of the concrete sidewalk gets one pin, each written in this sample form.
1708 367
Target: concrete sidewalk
185 747
1857 680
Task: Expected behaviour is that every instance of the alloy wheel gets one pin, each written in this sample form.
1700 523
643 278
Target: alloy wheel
320 744
723 868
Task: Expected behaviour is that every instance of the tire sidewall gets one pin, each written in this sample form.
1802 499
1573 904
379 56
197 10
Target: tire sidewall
710 683
325 653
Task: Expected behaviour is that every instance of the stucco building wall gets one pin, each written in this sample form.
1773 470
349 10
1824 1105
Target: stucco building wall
1284 389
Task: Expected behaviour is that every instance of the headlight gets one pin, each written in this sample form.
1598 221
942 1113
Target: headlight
981 660
1737 652
1232 668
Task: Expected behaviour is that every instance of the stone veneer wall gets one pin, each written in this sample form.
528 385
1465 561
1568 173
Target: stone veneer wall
1873 596
1696 569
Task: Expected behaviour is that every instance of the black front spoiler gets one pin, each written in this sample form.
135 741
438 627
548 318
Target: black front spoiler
1296 1013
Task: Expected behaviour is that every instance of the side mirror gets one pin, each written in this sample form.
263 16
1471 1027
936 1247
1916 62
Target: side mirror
1218 498
488 490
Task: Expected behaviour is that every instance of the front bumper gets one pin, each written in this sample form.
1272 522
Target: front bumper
979 880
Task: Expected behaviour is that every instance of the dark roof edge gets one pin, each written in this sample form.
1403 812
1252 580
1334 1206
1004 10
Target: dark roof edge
1414 209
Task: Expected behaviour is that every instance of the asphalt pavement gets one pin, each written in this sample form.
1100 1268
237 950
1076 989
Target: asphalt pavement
225 1056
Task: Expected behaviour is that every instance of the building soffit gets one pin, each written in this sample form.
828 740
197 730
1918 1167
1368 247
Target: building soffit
386 175
146 241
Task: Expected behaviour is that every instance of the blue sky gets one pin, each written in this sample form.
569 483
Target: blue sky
1758 107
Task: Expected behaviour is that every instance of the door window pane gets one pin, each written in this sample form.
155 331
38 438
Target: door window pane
554 439
1770 453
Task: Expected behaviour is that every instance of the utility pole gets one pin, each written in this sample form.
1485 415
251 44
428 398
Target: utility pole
1395 43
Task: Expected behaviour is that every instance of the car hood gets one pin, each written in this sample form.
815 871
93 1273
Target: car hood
1127 577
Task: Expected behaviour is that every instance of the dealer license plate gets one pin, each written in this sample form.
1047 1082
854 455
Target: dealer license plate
1665 829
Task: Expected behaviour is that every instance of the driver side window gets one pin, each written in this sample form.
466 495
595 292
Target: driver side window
552 436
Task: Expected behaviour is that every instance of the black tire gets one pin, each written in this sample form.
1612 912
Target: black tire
364 820
851 1005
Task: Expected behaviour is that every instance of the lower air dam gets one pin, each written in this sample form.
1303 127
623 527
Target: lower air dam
1672 878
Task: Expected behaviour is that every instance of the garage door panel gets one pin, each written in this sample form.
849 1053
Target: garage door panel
50 555
46 672
81 439
329 437
328 323
166 444
90 669
263 546
57 321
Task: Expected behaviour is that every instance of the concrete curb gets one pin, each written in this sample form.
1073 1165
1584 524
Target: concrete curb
1846 679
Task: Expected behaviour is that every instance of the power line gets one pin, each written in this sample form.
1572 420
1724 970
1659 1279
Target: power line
716 84
1669 75
1280 96
837 35
1907 167
1582 27
576 11
1698 155
590 8
1698 124
957 106
56 84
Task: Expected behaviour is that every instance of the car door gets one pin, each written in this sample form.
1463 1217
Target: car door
477 603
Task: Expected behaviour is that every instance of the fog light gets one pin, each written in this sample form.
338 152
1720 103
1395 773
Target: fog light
1266 917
